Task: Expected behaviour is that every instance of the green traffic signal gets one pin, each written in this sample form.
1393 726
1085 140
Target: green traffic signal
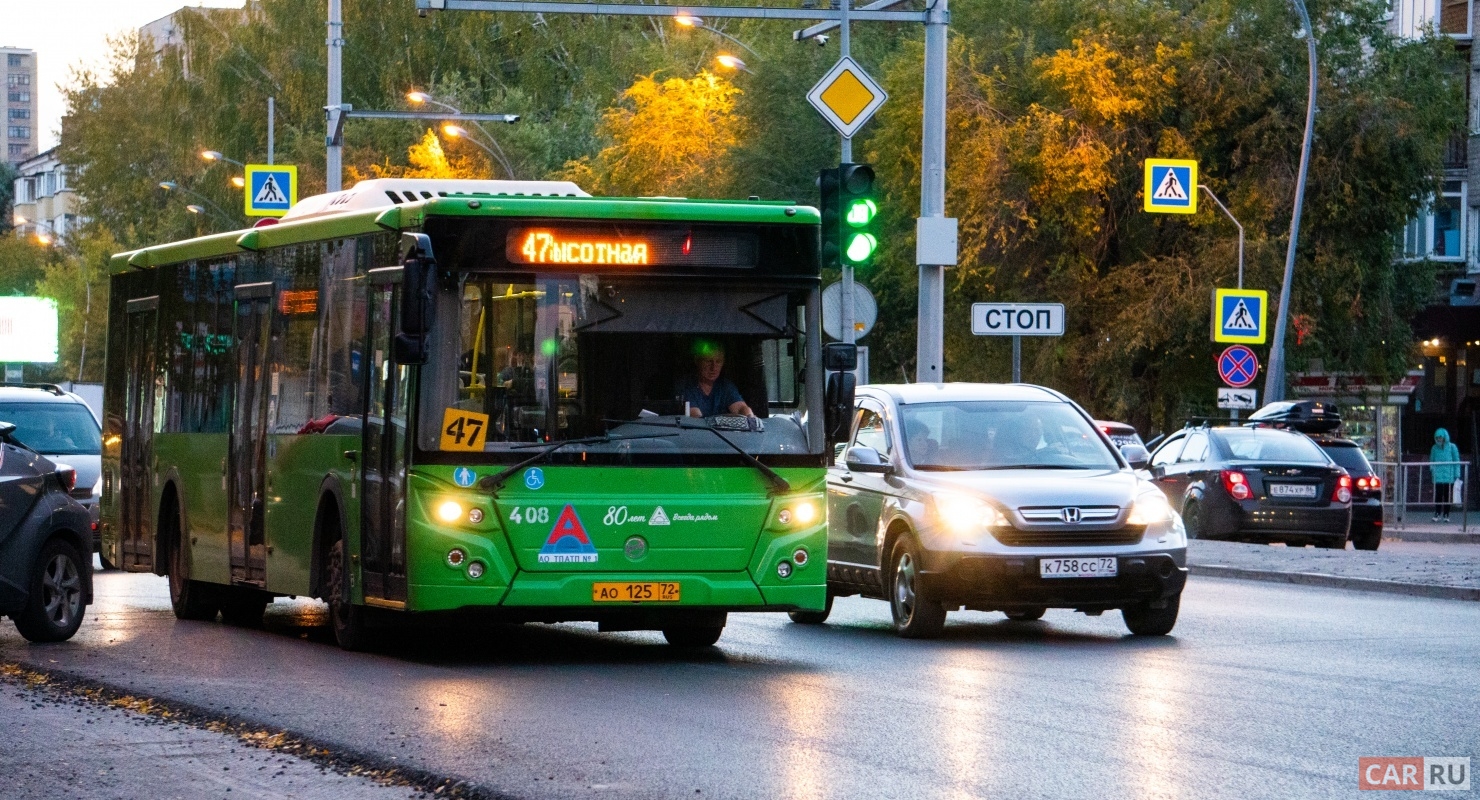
861 247
861 212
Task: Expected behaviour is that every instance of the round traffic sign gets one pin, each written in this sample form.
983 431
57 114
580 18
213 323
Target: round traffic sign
865 311
1238 366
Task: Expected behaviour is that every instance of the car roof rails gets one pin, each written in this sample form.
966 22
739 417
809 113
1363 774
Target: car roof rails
48 387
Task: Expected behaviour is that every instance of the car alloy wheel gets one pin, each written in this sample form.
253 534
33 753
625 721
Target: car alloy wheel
915 617
61 591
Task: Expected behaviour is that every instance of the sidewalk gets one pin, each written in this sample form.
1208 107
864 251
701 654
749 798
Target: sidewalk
1450 573
1420 527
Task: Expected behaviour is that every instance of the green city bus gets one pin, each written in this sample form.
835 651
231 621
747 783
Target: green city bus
416 398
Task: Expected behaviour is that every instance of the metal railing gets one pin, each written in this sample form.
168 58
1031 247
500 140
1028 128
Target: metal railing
1410 485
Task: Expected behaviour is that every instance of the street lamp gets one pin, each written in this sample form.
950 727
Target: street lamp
731 62
194 208
238 181
691 21
215 155
496 152
46 237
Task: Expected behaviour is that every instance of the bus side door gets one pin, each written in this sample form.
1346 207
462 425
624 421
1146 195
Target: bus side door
136 478
383 520
248 546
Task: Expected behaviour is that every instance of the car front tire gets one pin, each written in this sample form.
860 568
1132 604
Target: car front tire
694 635
1192 519
915 616
1368 539
1143 620
1026 614
54 608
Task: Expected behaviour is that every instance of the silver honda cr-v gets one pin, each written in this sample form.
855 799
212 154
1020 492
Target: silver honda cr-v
996 498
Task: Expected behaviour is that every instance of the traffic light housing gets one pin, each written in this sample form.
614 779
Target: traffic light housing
829 209
857 213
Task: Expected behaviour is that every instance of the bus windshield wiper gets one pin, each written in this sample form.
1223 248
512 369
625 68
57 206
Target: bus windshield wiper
778 483
492 483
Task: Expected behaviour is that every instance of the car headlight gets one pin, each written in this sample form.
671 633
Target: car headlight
1149 509
965 514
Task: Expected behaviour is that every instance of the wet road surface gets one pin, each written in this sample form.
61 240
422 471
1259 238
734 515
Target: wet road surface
1262 691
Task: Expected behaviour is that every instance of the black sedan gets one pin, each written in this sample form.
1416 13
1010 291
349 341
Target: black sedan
45 576
1254 484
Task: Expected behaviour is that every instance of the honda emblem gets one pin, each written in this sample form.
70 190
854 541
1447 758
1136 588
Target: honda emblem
1071 515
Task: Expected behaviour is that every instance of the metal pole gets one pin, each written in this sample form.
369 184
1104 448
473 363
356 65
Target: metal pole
271 122
333 159
1017 359
1274 380
930 336
1240 227
845 301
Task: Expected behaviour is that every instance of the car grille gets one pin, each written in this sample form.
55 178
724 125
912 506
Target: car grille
1014 537
1090 514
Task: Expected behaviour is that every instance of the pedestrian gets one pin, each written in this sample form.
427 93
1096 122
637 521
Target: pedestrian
1445 469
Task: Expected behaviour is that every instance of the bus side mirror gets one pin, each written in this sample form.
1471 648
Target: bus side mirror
839 405
418 289
839 357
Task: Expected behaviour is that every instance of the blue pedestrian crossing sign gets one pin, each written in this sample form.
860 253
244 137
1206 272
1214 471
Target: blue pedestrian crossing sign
1171 186
271 189
1239 316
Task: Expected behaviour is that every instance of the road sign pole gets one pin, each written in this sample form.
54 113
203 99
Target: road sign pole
271 122
1017 359
849 331
333 164
930 335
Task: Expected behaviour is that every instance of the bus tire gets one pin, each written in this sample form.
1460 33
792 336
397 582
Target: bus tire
694 635
346 618
193 600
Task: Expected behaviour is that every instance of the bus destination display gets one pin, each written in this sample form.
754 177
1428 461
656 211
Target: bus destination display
629 247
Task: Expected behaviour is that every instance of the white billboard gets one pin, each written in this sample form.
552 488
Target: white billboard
28 330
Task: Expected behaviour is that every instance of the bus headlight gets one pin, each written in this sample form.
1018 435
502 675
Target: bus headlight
1150 508
449 511
803 513
965 514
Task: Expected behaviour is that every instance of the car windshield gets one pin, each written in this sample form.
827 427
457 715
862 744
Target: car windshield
1263 444
559 357
991 434
54 429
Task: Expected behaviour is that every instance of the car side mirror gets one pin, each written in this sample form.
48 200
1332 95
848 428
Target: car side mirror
1135 455
6 429
860 458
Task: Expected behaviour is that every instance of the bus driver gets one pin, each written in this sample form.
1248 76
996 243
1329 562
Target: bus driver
707 394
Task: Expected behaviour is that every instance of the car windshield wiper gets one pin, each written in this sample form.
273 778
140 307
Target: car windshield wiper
492 483
778 483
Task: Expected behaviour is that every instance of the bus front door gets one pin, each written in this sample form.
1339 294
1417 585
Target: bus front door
247 545
137 450
383 524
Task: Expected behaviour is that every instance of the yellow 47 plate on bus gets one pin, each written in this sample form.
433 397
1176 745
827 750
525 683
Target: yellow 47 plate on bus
635 592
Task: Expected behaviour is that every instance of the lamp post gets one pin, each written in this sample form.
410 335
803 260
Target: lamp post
459 132
196 208
691 21
496 152
215 156
731 62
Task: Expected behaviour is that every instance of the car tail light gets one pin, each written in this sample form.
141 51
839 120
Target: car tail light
1236 484
1343 493
67 477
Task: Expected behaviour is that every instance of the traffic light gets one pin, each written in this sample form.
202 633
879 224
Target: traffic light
857 212
829 207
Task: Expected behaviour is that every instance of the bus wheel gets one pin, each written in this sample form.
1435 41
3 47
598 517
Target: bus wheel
346 618
244 607
189 599
693 636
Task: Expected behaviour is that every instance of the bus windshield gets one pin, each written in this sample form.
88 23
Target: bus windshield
559 356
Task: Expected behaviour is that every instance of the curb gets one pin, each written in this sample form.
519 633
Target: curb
1337 582
1441 537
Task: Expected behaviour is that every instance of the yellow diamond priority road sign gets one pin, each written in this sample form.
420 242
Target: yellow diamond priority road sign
846 96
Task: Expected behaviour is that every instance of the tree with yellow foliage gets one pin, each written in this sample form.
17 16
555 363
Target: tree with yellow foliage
427 159
668 138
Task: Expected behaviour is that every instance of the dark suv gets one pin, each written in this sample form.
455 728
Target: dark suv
45 576
1320 422
60 426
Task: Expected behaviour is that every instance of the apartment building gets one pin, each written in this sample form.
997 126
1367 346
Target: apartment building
45 205
18 76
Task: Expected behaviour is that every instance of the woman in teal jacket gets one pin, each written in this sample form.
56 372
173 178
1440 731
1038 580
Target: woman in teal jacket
1445 474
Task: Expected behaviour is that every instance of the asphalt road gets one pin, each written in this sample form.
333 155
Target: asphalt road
1263 690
